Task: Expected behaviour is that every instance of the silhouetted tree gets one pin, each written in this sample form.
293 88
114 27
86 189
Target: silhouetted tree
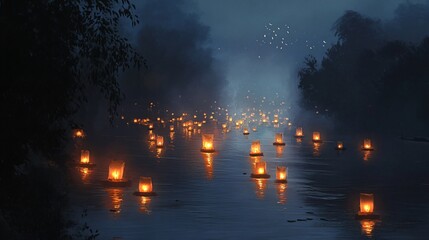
51 52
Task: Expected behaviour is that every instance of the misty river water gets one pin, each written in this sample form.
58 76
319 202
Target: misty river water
202 196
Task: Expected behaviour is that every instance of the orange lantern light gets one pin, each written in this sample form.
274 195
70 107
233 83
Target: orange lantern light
367 145
366 210
116 172
254 129
278 140
152 137
159 141
171 128
340 146
224 126
299 133
207 143
255 149
145 187
281 174
260 170
245 131
150 126
84 156
78 133
316 137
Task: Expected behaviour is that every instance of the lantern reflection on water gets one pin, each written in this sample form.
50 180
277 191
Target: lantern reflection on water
260 170
116 196
316 137
260 185
367 227
208 159
145 187
281 174
208 145
279 151
281 193
159 141
299 133
144 204
367 146
366 207
278 140
255 149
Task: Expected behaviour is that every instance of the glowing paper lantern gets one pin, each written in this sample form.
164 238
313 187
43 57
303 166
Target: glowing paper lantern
159 141
171 128
207 143
116 171
145 187
260 170
316 137
339 146
299 133
150 126
366 205
367 145
245 131
278 140
255 149
281 174
78 133
224 126
84 156
152 137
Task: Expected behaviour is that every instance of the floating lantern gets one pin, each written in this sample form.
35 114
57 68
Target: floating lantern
367 145
145 187
224 126
116 174
245 131
159 141
150 126
366 207
171 128
190 128
316 137
339 146
208 145
299 133
199 125
254 129
281 174
78 133
278 140
84 159
260 170
152 137
255 149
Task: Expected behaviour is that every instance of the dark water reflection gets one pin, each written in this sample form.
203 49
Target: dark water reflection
211 196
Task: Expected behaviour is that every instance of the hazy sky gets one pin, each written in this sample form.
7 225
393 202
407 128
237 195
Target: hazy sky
259 45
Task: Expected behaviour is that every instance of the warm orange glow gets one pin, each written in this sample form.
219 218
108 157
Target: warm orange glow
208 145
190 128
367 144
150 126
260 186
367 227
279 151
79 133
299 132
260 168
245 131
281 173
255 148
366 203
199 125
340 145
116 195
152 137
145 184
316 136
159 141
84 156
281 193
224 126
208 158
171 128
278 140
116 170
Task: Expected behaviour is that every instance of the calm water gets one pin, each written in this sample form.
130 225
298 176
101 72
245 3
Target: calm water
213 197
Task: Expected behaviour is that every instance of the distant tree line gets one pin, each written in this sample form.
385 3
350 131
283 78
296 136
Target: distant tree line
371 79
